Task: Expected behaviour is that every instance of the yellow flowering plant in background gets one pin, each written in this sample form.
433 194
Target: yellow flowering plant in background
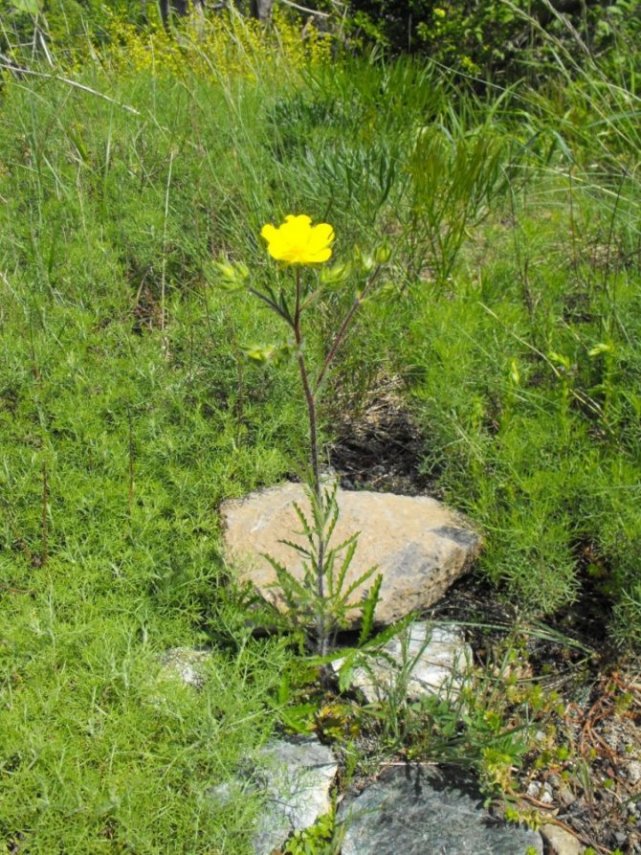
322 600
226 45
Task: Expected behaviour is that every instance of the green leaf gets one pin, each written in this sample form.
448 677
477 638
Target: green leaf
369 609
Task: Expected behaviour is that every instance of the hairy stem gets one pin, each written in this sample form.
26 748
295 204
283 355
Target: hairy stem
310 400
310 397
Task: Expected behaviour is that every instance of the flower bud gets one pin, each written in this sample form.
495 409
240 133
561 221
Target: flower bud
335 275
232 275
382 254
367 263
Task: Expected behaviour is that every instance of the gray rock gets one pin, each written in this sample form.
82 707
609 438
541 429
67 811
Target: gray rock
298 778
565 796
534 789
418 545
294 779
417 815
546 796
185 664
422 660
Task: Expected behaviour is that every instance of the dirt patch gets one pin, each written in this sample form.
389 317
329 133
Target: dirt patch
378 446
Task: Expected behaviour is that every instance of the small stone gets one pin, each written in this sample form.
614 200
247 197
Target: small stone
185 664
565 796
633 772
294 777
422 660
533 789
419 812
560 841
545 795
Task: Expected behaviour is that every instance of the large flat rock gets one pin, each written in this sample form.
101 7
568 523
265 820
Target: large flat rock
418 812
418 544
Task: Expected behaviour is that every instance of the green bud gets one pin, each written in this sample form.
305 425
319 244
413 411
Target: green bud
382 254
335 275
259 352
367 263
263 353
232 275
560 359
387 290
601 347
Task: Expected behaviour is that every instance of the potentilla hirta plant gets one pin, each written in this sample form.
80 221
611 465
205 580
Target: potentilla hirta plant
321 600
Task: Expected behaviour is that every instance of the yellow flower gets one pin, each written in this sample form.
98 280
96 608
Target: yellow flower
297 241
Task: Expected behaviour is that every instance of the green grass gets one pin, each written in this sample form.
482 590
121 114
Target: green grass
128 412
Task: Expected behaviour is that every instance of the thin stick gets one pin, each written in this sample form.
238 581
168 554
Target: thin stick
309 395
163 274
340 335
313 12
44 545
132 464
73 83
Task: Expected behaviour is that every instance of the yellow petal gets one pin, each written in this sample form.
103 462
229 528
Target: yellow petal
268 232
320 256
321 236
278 250
300 220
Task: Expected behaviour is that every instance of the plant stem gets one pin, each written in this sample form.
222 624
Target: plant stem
310 399
342 332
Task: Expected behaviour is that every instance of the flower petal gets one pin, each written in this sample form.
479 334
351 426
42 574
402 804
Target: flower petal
319 256
300 220
321 236
268 232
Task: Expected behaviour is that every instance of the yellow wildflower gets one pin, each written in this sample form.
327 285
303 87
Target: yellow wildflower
297 241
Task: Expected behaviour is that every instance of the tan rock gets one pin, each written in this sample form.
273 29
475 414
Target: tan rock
560 841
418 545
